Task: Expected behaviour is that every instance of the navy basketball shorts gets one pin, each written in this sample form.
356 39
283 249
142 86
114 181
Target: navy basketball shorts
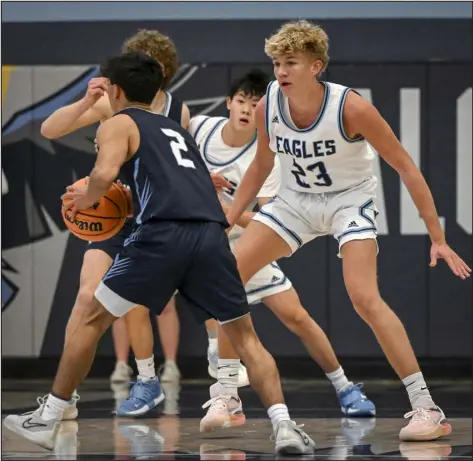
113 245
162 256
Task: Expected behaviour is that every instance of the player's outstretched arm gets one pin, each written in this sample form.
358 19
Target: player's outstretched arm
361 117
94 107
258 171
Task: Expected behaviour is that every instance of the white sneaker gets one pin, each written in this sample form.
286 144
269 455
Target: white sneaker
122 373
224 410
169 373
212 358
291 440
33 427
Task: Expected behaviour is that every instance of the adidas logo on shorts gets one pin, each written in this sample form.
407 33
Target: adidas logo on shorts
275 119
275 279
352 224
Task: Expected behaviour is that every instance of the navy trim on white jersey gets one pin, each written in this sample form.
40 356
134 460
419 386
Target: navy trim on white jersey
199 127
266 113
289 232
234 159
340 118
318 119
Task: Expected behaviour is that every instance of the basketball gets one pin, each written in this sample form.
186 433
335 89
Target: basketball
101 221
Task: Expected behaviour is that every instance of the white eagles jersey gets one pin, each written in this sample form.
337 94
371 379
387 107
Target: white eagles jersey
320 158
229 162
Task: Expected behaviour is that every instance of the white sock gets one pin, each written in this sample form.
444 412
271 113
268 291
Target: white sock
54 408
338 379
227 374
418 391
278 413
146 369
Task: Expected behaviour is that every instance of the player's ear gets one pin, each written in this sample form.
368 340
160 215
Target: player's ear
116 91
316 67
228 101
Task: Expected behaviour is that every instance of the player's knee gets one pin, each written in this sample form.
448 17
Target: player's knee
85 298
367 304
298 320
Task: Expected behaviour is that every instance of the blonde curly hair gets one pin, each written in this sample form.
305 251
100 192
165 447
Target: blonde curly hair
159 47
299 37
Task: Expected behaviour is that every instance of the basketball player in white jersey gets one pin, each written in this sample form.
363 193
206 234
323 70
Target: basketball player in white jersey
322 134
228 146
93 108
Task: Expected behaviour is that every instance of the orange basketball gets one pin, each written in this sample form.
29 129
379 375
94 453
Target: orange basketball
101 221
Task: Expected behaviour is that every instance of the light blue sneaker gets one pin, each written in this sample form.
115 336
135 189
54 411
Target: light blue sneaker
144 396
354 402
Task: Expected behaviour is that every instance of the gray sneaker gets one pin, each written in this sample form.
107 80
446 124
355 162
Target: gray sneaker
291 440
33 427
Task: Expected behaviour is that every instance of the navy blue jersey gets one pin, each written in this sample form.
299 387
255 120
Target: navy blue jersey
173 110
167 175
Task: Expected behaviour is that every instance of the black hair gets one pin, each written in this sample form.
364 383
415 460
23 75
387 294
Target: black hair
137 74
253 83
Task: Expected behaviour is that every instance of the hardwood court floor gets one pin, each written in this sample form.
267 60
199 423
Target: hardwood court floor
172 432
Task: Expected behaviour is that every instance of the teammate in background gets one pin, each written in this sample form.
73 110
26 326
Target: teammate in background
178 241
95 107
322 134
228 146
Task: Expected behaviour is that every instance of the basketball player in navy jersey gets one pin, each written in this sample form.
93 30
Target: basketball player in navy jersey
98 257
178 241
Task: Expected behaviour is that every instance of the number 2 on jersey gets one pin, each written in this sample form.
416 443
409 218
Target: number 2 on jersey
322 174
178 146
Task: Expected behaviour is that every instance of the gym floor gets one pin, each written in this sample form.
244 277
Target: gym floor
172 431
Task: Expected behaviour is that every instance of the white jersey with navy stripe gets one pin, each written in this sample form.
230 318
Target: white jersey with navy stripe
229 162
320 158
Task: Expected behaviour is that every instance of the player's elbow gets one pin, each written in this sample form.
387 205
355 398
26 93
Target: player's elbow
48 132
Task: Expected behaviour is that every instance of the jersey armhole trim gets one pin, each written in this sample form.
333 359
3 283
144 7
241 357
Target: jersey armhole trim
266 112
199 127
340 118
167 105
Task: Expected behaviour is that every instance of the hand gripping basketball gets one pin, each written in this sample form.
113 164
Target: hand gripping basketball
100 221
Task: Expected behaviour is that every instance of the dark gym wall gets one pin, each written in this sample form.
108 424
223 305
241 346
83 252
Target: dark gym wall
417 73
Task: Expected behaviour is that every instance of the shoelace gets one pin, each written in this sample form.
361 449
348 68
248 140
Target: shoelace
297 427
140 392
217 403
422 414
41 401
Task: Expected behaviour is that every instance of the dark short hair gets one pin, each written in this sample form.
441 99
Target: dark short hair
253 83
138 75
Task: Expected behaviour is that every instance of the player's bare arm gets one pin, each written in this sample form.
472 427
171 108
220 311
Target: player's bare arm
114 141
185 117
257 172
361 117
94 107
246 217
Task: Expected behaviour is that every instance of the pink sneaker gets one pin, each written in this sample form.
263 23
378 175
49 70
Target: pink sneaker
425 424
224 410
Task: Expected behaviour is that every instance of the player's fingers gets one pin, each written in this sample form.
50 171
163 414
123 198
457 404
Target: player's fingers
74 210
69 195
68 205
433 260
463 268
451 263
